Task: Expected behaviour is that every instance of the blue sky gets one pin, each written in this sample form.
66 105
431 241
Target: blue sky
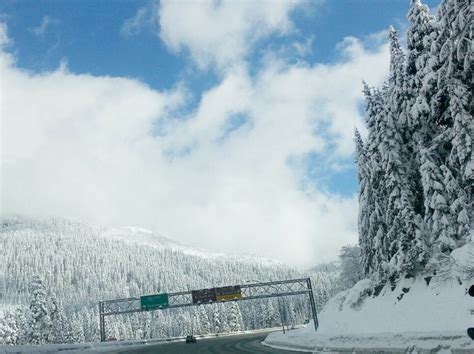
266 95
87 34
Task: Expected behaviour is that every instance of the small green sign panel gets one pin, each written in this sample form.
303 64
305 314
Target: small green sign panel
153 302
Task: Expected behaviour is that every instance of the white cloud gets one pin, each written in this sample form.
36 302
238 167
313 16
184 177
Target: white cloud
4 39
221 32
82 146
303 48
134 25
44 26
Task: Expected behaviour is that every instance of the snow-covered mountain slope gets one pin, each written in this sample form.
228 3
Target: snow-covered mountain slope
138 235
427 303
426 311
82 264
89 263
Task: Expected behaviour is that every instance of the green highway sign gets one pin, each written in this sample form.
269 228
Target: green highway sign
153 302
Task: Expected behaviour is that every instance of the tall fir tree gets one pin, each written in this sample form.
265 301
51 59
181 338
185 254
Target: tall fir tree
436 208
454 107
374 257
404 239
458 203
8 328
234 317
420 69
39 322
365 202
205 324
22 325
461 156
416 169
58 322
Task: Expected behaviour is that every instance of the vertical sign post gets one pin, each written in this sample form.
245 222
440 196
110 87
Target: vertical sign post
470 330
313 304
101 321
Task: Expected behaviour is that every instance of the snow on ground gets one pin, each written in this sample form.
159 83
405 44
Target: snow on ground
418 314
381 342
77 348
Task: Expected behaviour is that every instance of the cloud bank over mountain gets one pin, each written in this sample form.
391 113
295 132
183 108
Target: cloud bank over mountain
226 174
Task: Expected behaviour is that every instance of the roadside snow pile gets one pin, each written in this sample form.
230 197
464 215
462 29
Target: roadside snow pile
422 304
95 347
377 343
418 312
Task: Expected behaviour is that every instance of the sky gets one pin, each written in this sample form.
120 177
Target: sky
224 125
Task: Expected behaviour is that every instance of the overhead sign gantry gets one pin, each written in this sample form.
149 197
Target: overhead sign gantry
207 296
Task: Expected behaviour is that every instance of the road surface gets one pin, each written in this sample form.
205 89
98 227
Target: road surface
245 343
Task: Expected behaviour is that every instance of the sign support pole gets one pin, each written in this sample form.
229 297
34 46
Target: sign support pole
313 304
102 321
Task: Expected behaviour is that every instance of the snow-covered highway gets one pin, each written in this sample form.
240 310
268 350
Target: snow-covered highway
245 343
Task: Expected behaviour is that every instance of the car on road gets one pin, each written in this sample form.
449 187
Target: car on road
191 339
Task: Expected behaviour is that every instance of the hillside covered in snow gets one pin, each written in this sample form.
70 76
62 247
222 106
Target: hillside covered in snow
426 312
71 266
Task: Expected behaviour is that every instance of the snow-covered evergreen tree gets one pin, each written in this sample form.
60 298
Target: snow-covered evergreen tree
39 322
195 321
291 315
421 65
366 203
159 328
461 157
421 85
58 322
76 331
89 321
8 328
22 327
453 45
234 317
351 270
458 202
416 166
273 314
223 310
218 325
205 324
373 255
434 189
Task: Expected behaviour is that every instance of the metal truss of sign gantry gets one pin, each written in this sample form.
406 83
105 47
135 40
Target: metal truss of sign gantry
184 299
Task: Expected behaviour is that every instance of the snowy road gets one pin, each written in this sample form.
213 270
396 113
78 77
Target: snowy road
246 343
